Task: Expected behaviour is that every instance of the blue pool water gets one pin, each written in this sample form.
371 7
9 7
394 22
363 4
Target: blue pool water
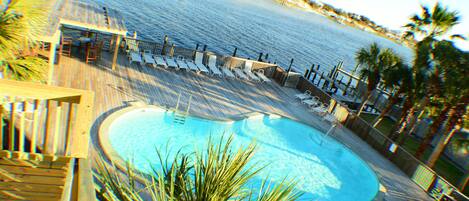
325 171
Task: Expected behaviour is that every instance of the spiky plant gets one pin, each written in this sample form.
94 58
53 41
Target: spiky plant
21 23
216 174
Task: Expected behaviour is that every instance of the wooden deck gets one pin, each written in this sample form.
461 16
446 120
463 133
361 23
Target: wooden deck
212 97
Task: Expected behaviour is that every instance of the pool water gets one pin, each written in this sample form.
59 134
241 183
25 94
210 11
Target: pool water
324 168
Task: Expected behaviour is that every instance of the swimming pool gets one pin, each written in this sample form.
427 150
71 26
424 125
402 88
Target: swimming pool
324 168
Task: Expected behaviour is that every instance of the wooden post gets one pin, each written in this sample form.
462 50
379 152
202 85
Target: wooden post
260 56
235 51
291 63
81 136
266 56
310 72
316 72
52 52
116 51
165 42
306 73
205 48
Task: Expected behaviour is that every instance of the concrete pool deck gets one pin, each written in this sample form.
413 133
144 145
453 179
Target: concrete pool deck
216 98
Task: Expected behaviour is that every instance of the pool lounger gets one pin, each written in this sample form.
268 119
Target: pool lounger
304 96
134 57
212 60
199 64
261 75
160 61
312 102
239 74
227 72
192 66
247 70
182 64
171 63
320 110
148 58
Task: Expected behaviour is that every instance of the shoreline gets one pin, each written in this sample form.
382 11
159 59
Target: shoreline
340 19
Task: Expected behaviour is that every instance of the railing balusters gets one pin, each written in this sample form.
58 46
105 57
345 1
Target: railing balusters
12 126
68 129
46 127
21 135
56 134
35 128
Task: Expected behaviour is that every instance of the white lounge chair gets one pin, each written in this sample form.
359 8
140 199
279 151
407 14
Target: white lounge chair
260 74
160 61
312 102
171 63
329 118
198 62
134 57
247 69
239 74
192 66
212 64
304 96
320 110
148 58
182 63
227 72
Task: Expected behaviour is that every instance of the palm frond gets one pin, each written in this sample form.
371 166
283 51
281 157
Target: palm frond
28 68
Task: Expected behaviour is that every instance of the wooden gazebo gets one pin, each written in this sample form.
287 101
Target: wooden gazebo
84 16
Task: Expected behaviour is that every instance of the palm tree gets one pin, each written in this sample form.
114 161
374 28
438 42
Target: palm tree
373 60
397 78
21 22
454 90
219 173
429 26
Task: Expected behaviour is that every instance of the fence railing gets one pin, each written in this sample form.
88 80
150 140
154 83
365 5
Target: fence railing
222 60
435 185
44 120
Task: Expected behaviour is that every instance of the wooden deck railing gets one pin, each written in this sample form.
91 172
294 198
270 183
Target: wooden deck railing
44 121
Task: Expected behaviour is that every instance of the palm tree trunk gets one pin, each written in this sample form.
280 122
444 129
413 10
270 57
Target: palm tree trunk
385 111
440 147
406 110
434 128
362 106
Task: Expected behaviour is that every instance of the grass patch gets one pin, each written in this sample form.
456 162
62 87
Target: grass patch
444 167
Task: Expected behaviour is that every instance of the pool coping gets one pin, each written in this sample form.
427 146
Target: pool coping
120 163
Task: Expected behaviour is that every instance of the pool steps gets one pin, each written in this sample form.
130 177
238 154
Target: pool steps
180 118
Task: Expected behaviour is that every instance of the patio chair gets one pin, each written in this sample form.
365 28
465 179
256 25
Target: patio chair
314 101
148 58
171 63
198 62
329 118
321 109
134 57
261 75
192 66
304 96
66 46
92 53
212 60
227 72
160 61
182 63
239 74
248 70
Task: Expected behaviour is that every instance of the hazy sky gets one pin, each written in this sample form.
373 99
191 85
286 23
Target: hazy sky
395 13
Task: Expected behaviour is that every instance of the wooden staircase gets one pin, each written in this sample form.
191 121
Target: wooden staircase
44 140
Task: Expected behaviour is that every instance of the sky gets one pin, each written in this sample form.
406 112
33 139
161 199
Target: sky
394 14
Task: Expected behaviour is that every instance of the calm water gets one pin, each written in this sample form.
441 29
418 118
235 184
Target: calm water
323 168
253 26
